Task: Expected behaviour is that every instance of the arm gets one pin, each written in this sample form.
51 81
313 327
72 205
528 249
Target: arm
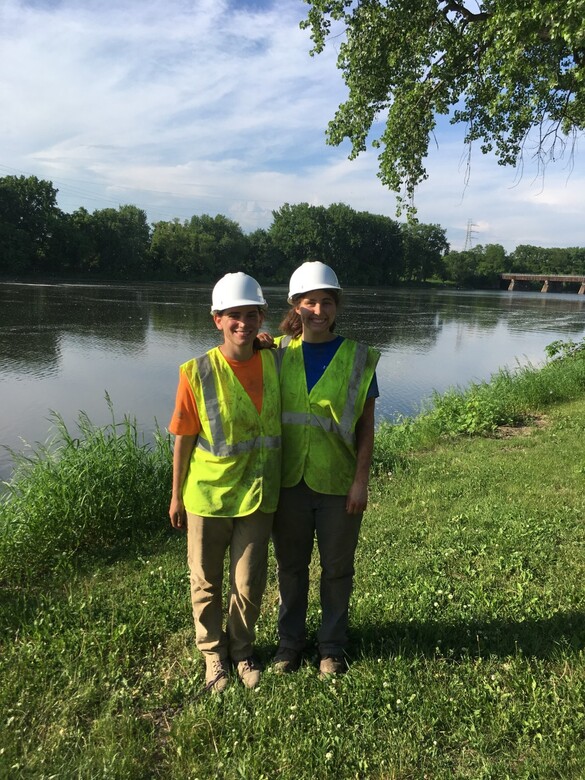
357 498
181 457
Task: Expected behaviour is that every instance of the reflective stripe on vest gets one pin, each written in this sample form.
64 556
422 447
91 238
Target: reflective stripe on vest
223 450
343 429
319 439
280 351
220 448
235 465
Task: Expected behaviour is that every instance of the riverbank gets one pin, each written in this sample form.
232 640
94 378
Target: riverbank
467 633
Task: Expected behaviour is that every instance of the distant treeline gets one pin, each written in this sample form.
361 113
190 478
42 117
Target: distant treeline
38 239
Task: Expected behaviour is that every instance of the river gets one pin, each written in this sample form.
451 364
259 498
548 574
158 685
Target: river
64 346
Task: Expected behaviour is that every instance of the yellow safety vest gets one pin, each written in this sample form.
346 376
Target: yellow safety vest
318 428
235 465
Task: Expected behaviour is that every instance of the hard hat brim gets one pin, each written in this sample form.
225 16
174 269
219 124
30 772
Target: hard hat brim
241 302
291 296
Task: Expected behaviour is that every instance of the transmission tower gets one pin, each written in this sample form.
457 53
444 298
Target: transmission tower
469 235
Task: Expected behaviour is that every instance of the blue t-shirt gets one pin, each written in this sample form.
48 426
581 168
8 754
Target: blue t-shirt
318 356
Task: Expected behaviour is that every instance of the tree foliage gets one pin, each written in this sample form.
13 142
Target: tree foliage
500 67
424 248
365 249
536 259
173 249
29 219
196 247
479 266
121 238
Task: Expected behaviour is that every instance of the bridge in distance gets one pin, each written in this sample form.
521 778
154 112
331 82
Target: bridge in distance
550 282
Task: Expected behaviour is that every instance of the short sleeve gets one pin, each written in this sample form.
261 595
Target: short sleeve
185 420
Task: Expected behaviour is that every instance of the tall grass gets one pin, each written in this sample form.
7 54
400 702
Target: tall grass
81 496
510 398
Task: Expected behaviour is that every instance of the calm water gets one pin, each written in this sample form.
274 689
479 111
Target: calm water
62 347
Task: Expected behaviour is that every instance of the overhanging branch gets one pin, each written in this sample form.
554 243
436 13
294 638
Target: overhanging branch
465 13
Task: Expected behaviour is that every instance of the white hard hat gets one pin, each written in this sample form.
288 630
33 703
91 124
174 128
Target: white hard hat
236 289
312 275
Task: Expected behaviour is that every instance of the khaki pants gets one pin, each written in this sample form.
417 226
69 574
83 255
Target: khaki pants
301 516
208 540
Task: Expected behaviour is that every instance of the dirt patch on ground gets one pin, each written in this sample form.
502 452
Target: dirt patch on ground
534 423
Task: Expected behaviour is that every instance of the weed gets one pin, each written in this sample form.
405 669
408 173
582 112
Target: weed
81 497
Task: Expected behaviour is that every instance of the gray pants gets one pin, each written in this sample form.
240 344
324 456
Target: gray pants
208 540
303 514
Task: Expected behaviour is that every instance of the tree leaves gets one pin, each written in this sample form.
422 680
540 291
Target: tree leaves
502 68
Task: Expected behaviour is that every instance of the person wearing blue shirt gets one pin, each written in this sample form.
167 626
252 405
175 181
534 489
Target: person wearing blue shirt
328 391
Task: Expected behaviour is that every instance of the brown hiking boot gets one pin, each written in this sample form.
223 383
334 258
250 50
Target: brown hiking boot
216 673
286 660
332 665
249 672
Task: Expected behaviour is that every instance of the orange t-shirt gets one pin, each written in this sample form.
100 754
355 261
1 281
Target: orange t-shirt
185 420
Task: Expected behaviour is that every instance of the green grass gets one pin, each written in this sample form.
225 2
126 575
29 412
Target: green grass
467 636
510 398
81 497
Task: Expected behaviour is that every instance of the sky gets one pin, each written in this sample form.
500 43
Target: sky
184 107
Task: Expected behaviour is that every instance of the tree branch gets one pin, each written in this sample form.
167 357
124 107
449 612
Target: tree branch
469 16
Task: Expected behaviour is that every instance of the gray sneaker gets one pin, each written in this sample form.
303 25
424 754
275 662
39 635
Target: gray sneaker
249 672
286 660
216 673
332 665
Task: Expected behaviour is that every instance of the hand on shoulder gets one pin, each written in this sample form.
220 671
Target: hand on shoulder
264 341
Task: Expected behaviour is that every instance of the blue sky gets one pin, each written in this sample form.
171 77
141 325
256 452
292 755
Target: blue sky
186 107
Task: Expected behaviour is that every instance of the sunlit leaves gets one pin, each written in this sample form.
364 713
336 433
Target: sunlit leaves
502 68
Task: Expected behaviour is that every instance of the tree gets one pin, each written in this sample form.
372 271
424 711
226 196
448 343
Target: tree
82 254
500 67
120 241
570 261
173 249
29 216
461 267
265 260
539 260
363 248
366 248
492 261
424 247
479 266
68 244
299 231
220 243
529 259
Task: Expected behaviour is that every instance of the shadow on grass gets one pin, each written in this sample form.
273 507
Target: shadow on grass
538 637
22 601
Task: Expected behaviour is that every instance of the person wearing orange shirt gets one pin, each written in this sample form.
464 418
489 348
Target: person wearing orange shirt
226 478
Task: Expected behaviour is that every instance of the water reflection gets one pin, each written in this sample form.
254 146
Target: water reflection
36 319
63 346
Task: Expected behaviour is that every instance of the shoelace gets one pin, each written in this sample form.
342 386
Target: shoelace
250 664
219 673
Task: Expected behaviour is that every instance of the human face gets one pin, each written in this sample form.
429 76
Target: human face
240 327
317 310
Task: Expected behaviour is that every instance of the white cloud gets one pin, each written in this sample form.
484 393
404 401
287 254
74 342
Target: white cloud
503 205
217 107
